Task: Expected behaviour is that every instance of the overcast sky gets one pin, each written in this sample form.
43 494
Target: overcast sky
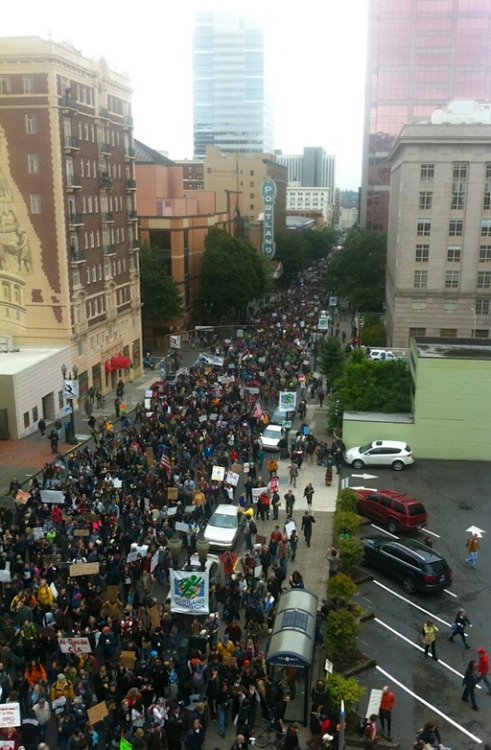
316 49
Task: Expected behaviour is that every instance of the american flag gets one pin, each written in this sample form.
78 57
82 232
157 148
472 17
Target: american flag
165 462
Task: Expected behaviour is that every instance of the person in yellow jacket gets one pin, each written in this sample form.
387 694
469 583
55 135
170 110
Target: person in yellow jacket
429 638
62 689
45 596
225 646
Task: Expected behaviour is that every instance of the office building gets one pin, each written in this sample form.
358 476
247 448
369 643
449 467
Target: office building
232 100
420 56
68 225
314 168
438 281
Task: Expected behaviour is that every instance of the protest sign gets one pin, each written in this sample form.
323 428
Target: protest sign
10 715
97 713
84 569
74 645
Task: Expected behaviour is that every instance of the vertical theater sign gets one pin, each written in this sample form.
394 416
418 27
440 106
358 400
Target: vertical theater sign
268 193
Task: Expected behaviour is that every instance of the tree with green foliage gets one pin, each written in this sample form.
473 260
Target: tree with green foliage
357 272
294 252
160 294
374 386
374 332
233 274
345 689
341 632
347 501
332 358
321 243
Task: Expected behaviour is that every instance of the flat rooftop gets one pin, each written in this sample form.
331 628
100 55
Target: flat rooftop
437 348
11 363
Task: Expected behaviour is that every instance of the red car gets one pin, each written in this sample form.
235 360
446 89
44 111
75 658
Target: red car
398 512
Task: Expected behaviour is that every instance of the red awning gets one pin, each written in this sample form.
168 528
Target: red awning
108 367
120 363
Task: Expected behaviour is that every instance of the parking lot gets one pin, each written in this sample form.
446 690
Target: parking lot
456 497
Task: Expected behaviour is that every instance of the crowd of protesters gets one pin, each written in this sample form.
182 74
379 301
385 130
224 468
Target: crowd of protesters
120 501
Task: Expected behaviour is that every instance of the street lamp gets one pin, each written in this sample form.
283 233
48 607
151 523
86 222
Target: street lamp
202 548
68 388
174 545
473 311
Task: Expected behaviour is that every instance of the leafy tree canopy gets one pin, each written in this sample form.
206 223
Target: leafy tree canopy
332 359
159 292
374 386
232 275
321 243
294 251
358 270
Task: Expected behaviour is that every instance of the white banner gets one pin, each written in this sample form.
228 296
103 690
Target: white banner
288 400
210 359
189 592
10 715
52 496
74 645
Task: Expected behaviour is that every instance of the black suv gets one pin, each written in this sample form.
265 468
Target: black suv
418 567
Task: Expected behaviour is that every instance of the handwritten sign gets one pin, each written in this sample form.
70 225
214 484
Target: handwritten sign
232 478
154 561
81 532
10 715
84 569
154 616
22 497
74 645
112 593
218 473
97 713
172 493
128 658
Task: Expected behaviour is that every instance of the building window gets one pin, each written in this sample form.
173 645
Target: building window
484 280
425 199
33 163
422 253
414 332
486 228
448 333
458 185
26 420
455 228
35 200
424 228
482 307
487 189
420 279
452 279
454 253
427 172
28 84
31 124
481 333
450 305
484 253
5 85
35 415
419 304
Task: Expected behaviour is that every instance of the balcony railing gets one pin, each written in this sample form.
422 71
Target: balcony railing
69 104
104 113
77 255
105 181
106 217
132 214
130 184
75 219
104 148
72 143
73 181
109 249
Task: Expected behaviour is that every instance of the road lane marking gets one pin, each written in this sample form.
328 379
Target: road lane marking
429 705
451 593
389 533
408 601
427 531
420 648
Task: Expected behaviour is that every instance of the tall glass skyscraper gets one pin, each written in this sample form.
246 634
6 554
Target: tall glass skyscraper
232 102
421 55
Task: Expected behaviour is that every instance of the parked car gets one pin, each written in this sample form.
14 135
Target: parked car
380 453
278 417
382 355
271 436
416 566
397 511
222 529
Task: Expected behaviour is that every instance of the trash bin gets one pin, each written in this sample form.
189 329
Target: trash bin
67 432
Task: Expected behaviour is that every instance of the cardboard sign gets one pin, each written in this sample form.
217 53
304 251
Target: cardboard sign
50 560
22 497
230 661
154 616
66 518
128 658
172 493
217 473
91 517
9 715
97 713
84 569
81 532
74 645
149 455
237 468
112 593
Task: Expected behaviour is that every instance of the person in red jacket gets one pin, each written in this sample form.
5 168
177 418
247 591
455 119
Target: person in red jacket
387 702
483 668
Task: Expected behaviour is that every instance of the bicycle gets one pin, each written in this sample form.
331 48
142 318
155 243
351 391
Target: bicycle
266 735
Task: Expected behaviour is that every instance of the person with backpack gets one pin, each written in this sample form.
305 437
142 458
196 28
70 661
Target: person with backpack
459 625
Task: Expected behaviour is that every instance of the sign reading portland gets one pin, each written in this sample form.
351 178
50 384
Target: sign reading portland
268 193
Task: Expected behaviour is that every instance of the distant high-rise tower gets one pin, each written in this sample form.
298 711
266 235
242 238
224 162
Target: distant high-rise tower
421 55
232 104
